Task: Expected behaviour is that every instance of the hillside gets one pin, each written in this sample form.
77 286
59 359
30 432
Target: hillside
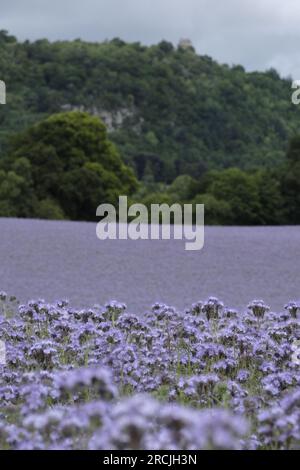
169 110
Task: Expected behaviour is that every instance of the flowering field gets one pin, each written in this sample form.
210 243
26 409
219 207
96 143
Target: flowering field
102 378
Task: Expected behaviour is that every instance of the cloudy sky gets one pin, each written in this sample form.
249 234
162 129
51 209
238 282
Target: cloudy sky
258 34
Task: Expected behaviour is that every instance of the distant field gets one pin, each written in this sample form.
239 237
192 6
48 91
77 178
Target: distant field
66 260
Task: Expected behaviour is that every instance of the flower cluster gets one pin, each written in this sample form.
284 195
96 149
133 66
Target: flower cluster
102 378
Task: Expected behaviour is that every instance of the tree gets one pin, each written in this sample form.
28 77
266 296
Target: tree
165 46
216 211
270 197
183 188
239 190
73 165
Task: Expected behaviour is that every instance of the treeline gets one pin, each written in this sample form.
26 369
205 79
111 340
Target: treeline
231 196
65 166
170 111
237 197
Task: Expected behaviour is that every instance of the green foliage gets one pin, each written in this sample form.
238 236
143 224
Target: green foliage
49 209
243 198
183 188
10 191
230 197
70 166
271 198
239 190
187 111
216 211
191 130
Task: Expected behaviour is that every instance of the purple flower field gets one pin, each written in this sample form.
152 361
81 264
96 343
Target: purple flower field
102 378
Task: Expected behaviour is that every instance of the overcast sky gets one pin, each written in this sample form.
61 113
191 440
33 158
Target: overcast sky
258 34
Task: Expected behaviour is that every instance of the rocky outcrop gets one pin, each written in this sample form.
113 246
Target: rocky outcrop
112 119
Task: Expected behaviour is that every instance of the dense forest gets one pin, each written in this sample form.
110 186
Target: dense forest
178 126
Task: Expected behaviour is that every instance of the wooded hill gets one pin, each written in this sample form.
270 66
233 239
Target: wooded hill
169 110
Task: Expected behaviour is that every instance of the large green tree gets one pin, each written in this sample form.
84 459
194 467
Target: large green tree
71 166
